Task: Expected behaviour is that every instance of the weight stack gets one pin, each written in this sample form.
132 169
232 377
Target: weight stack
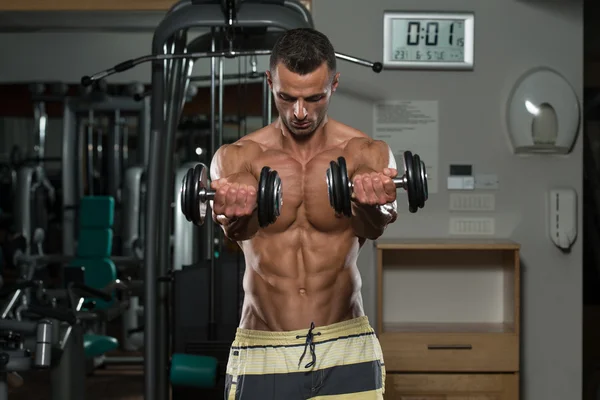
190 318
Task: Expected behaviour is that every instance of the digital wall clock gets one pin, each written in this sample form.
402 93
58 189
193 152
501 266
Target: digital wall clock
428 40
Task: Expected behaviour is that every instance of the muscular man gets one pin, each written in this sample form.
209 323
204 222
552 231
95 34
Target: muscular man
303 333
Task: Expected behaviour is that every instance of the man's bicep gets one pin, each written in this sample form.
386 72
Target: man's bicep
227 160
378 155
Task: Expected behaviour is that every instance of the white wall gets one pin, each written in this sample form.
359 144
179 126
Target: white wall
511 37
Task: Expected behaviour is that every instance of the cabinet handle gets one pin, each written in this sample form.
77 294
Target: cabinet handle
449 347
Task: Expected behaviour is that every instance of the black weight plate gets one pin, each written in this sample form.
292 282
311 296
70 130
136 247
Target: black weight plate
346 198
329 180
420 196
336 187
275 197
189 194
196 215
410 184
424 174
261 196
272 194
278 193
183 194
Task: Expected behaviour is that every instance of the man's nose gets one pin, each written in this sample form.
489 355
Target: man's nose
299 110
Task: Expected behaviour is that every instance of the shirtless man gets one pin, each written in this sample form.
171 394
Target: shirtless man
303 332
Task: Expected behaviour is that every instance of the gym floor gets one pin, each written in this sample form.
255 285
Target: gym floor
115 383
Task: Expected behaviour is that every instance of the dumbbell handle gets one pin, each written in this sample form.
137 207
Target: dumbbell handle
206 195
398 182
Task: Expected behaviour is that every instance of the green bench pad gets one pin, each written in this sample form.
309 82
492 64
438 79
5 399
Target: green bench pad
97 212
193 371
97 345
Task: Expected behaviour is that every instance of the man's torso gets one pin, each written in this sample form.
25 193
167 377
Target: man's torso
302 269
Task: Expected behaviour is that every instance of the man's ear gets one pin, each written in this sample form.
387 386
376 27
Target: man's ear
335 82
269 79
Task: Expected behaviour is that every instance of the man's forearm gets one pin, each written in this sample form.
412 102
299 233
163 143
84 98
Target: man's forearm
370 221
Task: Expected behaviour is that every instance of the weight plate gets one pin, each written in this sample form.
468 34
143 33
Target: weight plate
329 180
262 197
183 194
197 216
189 195
272 197
419 195
424 175
410 178
275 197
202 206
346 198
336 187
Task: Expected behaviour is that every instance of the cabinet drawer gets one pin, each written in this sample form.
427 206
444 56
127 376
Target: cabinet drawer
448 352
452 387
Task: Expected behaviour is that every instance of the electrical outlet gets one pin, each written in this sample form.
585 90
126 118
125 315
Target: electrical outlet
472 226
472 202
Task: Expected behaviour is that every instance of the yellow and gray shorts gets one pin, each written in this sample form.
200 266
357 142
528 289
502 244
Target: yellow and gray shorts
338 361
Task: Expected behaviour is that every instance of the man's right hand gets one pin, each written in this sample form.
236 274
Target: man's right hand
233 199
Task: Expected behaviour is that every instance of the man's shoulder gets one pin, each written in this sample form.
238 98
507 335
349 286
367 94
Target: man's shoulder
354 139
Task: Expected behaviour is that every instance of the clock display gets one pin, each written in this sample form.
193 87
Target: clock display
428 40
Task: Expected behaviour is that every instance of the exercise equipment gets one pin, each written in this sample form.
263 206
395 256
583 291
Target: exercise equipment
195 195
414 181
169 82
15 357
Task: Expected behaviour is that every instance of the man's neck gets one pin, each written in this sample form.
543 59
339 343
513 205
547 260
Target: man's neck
304 147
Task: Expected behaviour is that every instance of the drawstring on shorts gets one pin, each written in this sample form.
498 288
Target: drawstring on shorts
309 344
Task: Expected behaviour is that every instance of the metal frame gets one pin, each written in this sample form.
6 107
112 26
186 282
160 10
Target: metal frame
172 60
184 15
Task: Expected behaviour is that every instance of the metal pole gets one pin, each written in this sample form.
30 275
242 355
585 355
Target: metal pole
155 163
176 80
70 168
211 228
221 91
90 153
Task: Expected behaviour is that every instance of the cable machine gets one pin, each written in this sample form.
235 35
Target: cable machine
172 62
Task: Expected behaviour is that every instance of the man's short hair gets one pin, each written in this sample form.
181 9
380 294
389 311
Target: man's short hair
302 51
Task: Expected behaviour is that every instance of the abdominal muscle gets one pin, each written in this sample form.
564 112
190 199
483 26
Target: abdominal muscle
298 277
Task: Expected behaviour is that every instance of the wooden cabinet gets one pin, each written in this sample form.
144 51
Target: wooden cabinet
448 319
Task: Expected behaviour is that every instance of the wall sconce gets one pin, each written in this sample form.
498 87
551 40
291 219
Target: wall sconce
543 113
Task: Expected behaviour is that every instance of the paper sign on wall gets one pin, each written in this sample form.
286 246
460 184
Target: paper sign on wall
410 125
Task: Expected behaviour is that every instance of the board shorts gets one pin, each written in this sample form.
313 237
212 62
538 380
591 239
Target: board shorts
339 361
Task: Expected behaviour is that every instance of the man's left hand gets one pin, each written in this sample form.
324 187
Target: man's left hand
374 188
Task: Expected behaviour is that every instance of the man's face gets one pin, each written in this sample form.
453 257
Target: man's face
302 100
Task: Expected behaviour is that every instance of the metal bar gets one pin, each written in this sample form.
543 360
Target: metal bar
211 228
221 91
177 80
88 80
90 152
155 162
70 172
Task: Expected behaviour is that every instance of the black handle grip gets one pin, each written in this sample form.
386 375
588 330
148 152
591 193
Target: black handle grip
377 67
54 313
90 291
124 66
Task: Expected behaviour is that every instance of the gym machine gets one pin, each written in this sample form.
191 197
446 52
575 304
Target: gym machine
172 63
81 135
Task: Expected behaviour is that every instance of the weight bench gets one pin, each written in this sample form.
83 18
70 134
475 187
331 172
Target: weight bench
96 217
94 247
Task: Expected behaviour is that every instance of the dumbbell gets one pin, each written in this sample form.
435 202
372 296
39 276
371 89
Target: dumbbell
414 181
195 195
